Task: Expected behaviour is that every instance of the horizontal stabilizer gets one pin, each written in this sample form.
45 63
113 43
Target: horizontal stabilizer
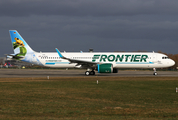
14 56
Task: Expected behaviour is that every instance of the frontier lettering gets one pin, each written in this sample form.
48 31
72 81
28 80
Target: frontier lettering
120 58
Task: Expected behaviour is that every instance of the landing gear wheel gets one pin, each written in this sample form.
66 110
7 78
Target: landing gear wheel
92 73
87 73
155 73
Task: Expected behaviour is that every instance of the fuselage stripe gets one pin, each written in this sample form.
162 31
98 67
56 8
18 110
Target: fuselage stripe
57 63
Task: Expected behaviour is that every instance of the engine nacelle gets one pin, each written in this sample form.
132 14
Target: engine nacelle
105 68
78 66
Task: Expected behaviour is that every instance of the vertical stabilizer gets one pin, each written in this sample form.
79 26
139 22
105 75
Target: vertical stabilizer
21 48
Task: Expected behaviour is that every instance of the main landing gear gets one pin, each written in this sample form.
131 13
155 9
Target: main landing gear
155 73
90 72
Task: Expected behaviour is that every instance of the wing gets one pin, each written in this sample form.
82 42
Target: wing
79 62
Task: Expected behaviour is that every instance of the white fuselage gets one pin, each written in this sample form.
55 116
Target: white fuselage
117 59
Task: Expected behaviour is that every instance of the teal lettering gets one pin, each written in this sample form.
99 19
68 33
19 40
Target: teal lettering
136 58
127 56
111 58
132 58
103 58
95 57
120 58
143 58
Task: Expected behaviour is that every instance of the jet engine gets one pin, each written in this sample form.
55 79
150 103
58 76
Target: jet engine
106 68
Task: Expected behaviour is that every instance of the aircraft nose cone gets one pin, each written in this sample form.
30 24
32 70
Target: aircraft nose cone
172 62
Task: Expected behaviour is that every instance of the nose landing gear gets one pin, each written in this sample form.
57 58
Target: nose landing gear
155 73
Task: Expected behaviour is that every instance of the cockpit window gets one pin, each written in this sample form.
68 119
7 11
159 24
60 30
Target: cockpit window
165 57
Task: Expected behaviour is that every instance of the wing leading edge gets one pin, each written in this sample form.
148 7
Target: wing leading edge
79 62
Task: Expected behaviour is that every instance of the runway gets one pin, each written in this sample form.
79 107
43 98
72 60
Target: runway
19 73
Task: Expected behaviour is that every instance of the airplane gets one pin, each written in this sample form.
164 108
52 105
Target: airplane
103 62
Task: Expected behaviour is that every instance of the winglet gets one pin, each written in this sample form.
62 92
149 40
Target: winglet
60 55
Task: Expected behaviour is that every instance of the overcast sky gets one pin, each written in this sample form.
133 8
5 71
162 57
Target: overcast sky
104 25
